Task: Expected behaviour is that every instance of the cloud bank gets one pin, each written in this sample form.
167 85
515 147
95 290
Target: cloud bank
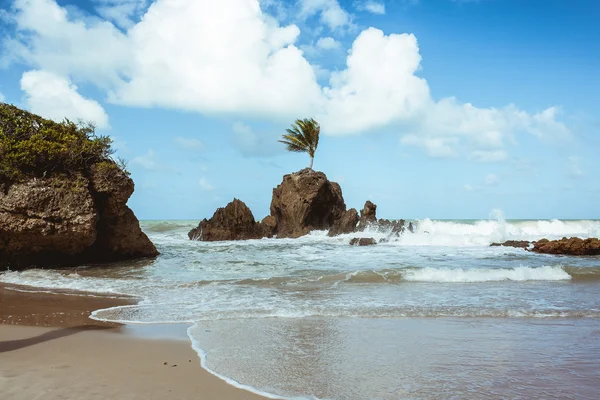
230 57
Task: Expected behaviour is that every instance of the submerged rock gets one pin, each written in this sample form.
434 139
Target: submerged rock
573 246
232 222
345 224
363 242
306 201
523 244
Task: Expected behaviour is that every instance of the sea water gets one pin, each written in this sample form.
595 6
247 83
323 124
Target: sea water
433 314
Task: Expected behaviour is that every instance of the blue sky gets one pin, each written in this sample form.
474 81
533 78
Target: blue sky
429 108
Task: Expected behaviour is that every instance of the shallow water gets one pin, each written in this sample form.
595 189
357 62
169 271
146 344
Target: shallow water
431 314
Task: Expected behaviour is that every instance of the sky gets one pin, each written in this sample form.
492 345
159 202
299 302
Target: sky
445 109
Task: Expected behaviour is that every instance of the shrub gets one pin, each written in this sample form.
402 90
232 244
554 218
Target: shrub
32 146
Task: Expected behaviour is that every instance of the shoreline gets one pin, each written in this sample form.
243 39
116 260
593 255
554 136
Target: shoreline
51 349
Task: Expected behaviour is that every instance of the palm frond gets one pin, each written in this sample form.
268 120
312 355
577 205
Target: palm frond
302 136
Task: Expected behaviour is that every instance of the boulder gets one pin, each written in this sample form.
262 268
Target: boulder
573 246
363 242
346 223
523 244
305 201
232 222
69 220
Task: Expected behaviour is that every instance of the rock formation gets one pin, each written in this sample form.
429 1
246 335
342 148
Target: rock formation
346 223
64 221
573 246
305 201
368 216
523 244
362 242
233 222
63 200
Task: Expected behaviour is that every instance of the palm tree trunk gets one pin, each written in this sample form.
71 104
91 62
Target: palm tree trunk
311 163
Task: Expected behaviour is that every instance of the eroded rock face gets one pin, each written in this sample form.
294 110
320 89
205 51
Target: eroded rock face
363 242
346 223
573 246
68 221
305 201
232 222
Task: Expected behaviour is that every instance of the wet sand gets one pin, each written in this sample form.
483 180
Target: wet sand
50 349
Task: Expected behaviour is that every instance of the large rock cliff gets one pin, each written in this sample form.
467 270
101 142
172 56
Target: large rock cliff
62 200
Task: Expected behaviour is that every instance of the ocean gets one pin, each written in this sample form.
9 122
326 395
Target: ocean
434 314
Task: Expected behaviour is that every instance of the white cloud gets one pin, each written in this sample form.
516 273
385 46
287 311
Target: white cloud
243 62
54 97
121 12
574 167
488 155
377 88
327 43
435 147
149 161
189 143
90 50
491 180
468 188
374 7
252 144
330 12
205 185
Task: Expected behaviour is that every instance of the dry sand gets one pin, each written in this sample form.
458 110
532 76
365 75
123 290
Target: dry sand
68 356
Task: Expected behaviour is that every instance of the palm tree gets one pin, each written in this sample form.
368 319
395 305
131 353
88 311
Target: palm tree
303 137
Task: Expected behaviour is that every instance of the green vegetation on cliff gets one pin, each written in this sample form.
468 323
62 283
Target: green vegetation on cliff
32 146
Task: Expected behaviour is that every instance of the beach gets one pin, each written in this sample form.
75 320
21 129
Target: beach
50 349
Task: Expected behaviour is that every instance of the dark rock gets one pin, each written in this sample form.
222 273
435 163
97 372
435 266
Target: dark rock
268 226
362 242
368 215
573 246
411 228
396 227
345 224
523 244
66 221
305 201
233 222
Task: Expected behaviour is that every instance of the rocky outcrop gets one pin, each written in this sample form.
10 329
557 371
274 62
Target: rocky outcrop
305 201
523 244
392 227
70 220
362 242
573 246
346 223
368 216
232 222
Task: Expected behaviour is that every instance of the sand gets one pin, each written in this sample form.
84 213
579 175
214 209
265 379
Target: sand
69 356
